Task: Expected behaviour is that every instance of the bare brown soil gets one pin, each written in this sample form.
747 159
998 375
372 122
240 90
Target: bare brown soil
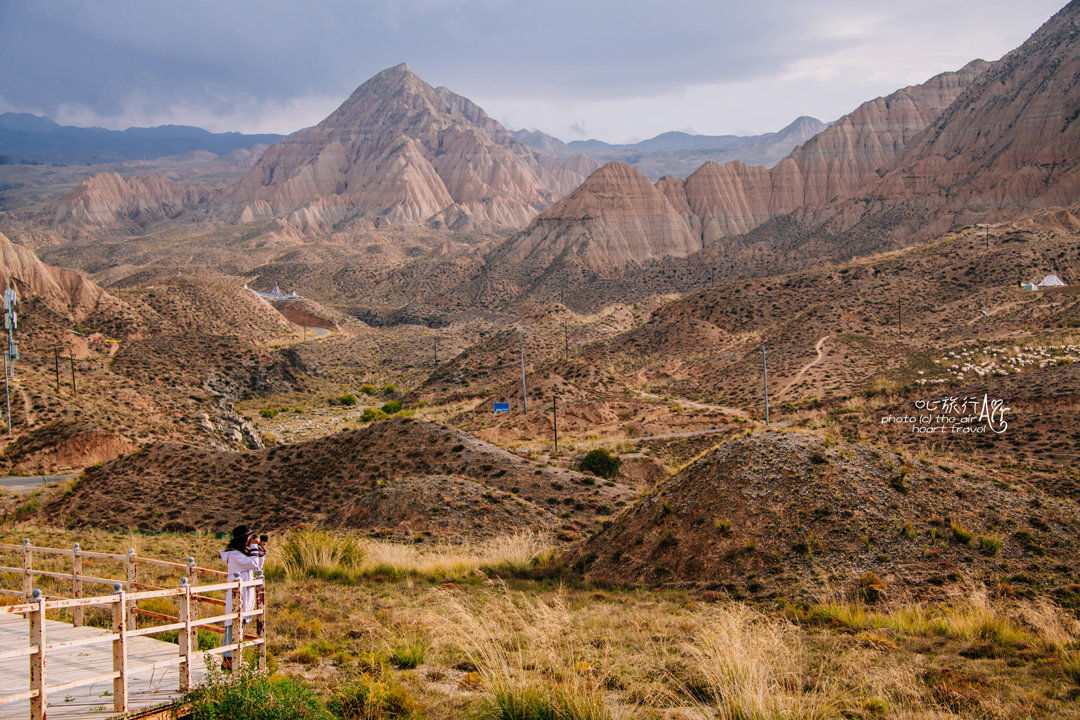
177 487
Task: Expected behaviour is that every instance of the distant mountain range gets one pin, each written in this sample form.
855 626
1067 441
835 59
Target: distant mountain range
26 138
679 154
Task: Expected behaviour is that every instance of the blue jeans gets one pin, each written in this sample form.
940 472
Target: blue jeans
228 640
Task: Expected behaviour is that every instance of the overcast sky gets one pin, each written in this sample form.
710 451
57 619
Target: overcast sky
618 70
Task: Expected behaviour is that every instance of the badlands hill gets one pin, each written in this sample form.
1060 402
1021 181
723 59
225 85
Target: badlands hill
617 219
1010 141
108 199
992 139
761 513
53 299
64 292
169 486
402 149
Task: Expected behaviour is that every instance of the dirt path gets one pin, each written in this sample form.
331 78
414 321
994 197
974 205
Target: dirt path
28 408
820 349
684 402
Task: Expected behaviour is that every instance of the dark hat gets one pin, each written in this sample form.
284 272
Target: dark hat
239 538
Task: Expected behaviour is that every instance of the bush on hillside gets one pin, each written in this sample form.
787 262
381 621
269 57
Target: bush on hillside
372 414
249 696
600 462
394 406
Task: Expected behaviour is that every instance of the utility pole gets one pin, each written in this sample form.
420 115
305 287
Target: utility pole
56 367
524 395
555 422
11 350
74 389
765 382
7 393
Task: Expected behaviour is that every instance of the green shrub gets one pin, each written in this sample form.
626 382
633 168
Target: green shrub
372 414
409 654
367 698
600 462
724 526
269 412
249 696
367 389
389 390
391 407
347 399
962 534
989 544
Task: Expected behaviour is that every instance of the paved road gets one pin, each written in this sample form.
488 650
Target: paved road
18 483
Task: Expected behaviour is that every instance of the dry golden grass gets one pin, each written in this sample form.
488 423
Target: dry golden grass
757 667
484 647
314 553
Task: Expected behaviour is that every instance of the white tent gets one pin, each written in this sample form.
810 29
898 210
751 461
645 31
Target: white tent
1051 280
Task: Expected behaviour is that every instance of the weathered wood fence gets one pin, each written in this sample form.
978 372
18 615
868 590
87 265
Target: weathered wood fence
123 604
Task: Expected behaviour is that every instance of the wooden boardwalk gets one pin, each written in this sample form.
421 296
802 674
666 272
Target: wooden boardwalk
147 688
55 669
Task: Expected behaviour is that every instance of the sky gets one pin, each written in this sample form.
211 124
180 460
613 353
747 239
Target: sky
616 70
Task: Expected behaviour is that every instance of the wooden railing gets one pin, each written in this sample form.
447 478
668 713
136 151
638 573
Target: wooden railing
123 603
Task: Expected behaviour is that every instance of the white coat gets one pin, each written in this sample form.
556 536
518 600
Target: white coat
237 562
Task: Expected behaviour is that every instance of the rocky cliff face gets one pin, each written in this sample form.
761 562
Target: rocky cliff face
614 218
64 292
617 218
1011 140
109 199
404 150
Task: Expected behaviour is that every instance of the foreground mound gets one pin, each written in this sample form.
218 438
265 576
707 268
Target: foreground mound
788 510
443 506
168 486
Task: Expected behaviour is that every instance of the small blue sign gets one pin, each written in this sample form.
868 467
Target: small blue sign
502 407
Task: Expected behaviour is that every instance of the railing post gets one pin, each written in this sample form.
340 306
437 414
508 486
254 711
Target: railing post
238 622
76 584
132 578
193 580
119 654
185 639
37 660
260 619
27 565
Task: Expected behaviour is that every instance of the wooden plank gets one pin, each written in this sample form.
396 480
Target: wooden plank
76 584
7 699
27 581
37 662
119 655
147 690
154 629
92 640
81 682
186 639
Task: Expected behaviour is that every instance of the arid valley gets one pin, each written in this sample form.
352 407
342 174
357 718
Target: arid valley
758 426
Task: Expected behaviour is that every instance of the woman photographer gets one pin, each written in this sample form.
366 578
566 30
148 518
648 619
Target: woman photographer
243 555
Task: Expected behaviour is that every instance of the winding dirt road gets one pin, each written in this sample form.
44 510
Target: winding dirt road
820 349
